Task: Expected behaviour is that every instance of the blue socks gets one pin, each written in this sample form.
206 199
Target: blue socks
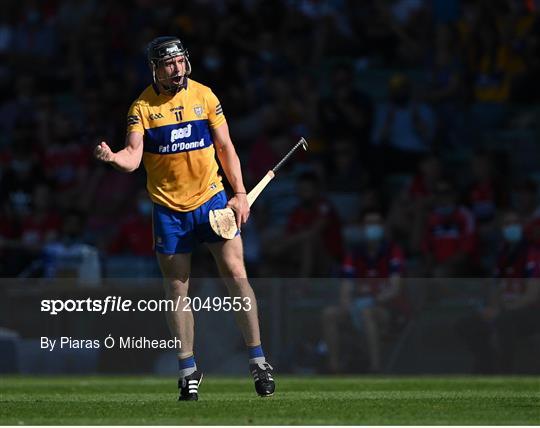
187 366
256 355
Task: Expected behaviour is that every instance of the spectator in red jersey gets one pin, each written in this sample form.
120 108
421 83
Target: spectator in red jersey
135 232
313 241
513 307
449 236
371 293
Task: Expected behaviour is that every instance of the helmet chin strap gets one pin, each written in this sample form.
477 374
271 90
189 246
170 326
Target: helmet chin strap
171 87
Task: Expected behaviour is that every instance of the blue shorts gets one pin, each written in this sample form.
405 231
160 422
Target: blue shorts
178 232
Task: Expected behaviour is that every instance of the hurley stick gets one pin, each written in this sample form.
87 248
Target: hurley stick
223 221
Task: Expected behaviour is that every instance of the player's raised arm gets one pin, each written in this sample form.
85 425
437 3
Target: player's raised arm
126 160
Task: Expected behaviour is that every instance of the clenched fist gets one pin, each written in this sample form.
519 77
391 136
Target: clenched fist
103 152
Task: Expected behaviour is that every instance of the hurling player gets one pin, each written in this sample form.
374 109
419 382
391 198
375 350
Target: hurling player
176 127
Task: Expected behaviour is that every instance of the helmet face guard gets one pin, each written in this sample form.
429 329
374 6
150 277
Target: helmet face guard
162 49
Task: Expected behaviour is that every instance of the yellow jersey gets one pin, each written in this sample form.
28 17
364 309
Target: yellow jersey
179 155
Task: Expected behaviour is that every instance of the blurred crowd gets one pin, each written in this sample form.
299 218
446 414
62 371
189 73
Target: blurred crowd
418 111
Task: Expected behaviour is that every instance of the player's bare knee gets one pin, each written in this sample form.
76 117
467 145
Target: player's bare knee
234 269
176 287
174 267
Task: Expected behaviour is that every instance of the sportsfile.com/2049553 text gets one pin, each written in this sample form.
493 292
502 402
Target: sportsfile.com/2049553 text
120 304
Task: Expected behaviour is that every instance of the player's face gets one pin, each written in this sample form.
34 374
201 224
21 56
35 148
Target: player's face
171 71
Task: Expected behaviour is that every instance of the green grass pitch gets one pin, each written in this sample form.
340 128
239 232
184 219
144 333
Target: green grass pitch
298 400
